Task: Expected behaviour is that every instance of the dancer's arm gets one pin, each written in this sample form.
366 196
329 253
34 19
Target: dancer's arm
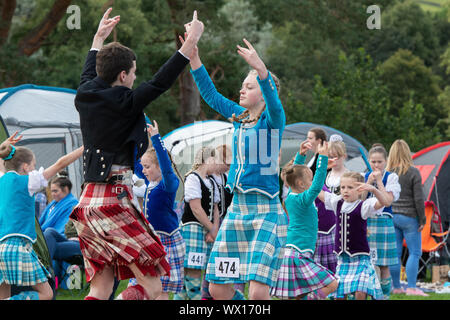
169 178
105 27
275 111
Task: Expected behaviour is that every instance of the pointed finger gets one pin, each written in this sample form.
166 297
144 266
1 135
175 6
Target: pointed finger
194 17
249 45
105 16
242 48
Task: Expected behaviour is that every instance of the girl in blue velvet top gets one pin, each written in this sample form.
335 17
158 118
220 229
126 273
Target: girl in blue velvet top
159 209
249 244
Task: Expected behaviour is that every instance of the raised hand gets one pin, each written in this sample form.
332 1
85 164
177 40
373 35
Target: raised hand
11 140
252 58
322 149
195 27
374 176
152 130
304 147
194 30
105 27
361 187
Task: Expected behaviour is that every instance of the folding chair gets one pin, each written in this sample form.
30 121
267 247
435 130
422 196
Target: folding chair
432 242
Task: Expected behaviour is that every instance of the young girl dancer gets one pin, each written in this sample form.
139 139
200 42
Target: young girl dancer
324 253
200 220
19 263
355 272
159 210
249 245
299 274
381 231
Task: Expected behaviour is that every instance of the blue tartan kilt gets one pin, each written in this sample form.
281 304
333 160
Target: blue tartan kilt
381 237
253 231
357 274
197 249
300 274
19 264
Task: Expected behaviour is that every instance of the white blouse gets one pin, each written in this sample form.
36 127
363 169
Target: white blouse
193 189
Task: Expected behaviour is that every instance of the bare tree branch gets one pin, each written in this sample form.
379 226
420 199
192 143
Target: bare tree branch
7 8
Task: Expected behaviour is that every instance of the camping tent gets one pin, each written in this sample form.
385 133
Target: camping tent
434 166
48 121
184 142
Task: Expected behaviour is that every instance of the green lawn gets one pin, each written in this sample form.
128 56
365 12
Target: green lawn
79 295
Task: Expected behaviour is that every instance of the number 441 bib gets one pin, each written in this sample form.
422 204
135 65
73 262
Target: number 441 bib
227 267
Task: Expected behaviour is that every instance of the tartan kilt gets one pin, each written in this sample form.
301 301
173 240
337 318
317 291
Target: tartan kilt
114 233
357 274
381 237
324 253
254 231
175 247
194 235
300 274
19 263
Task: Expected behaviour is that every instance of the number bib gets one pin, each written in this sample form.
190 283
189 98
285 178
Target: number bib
227 267
373 255
196 259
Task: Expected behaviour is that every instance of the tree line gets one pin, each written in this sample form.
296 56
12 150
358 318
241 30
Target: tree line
377 85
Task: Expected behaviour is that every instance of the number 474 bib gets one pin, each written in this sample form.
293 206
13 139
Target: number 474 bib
227 267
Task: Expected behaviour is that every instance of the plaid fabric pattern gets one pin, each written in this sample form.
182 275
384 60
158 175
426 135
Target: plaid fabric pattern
299 274
357 274
381 236
324 254
194 236
112 232
175 247
254 230
19 264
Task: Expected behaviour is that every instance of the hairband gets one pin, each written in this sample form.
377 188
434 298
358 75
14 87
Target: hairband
10 155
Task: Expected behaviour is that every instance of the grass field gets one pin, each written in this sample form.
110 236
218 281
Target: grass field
79 295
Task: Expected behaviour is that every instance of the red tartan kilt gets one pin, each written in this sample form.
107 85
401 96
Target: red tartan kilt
113 233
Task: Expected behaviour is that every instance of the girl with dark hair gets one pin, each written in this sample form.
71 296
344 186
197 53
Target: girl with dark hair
57 212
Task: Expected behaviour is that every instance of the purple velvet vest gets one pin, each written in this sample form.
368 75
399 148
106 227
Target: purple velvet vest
351 232
327 218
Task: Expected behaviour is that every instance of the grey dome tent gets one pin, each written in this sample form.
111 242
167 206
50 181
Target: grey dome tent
48 121
184 142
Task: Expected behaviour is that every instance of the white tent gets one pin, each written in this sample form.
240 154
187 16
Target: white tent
48 121
184 142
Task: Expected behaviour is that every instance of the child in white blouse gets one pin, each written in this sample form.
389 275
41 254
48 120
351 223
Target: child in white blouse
200 220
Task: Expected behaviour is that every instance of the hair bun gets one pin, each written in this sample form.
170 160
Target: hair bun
62 174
